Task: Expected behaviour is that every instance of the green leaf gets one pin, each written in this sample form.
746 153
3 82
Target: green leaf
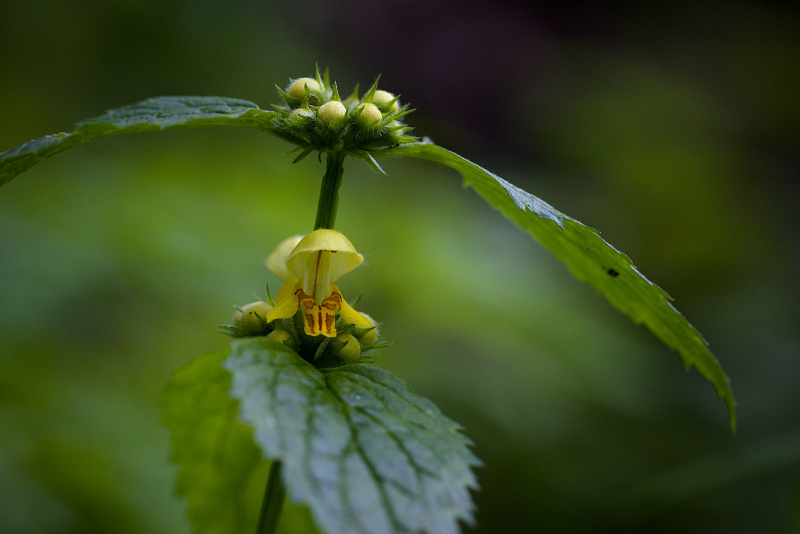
221 471
591 260
159 113
358 447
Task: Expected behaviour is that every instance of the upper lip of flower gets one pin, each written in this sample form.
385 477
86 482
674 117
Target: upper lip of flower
321 258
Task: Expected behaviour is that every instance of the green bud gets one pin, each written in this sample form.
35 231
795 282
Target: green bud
246 319
382 98
297 89
371 335
283 336
301 116
367 115
351 349
332 114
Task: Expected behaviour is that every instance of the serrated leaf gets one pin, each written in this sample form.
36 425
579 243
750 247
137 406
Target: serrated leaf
159 113
591 259
221 471
358 447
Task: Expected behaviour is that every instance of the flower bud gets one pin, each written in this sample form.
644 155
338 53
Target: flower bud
351 349
367 115
382 98
277 260
297 89
371 335
332 114
301 116
283 336
246 318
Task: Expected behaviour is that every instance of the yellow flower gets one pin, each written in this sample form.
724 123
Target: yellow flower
309 266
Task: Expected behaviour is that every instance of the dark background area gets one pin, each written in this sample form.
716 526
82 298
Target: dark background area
672 128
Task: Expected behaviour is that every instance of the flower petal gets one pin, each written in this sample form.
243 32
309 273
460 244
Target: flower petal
343 260
287 289
286 307
349 314
277 260
319 319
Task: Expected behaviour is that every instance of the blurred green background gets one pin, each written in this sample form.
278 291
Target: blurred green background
674 129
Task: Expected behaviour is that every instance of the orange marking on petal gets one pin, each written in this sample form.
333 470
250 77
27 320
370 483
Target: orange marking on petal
329 324
319 319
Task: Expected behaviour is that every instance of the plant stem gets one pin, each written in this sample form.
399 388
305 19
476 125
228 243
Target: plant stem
329 191
272 505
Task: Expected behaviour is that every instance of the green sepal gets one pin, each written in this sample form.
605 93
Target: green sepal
374 165
353 99
367 98
233 331
335 96
303 154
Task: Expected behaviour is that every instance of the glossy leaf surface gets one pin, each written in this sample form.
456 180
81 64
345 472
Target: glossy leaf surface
591 259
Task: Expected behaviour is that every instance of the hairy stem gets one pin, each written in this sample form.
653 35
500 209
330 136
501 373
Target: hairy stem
329 191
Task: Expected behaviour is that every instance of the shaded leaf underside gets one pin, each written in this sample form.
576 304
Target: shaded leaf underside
159 113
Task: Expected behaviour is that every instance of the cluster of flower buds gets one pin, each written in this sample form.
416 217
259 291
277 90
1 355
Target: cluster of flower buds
315 117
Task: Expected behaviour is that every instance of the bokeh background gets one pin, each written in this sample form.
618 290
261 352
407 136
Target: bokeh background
674 128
